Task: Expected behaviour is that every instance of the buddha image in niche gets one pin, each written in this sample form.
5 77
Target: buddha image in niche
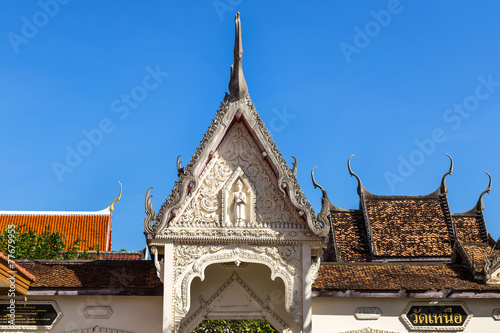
239 203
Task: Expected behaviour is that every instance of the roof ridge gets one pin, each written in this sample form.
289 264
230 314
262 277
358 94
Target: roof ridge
105 211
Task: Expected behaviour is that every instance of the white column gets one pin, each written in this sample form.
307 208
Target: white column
168 293
307 284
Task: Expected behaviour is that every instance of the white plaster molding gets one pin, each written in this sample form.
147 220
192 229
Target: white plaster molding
203 311
105 211
159 264
368 330
235 235
97 312
496 314
97 329
371 313
284 262
315 266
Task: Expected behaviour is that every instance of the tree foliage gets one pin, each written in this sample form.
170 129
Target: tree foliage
237 326
27 244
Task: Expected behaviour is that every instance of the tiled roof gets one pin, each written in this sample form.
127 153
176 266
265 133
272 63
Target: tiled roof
475 253
408 227
121 255
108 274
470 229
393 277
350 236
4 260
93 227
23 278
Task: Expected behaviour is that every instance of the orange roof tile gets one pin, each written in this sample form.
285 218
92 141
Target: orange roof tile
93 227
22 278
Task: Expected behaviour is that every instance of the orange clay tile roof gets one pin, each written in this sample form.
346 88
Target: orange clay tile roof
23 278
115 255
470 229
118 275
93 228
408 227
5 261
350 236
411 277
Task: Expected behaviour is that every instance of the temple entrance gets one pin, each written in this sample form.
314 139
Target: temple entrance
237 296
250 325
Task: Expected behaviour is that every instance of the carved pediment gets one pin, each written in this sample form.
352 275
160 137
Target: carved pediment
237 196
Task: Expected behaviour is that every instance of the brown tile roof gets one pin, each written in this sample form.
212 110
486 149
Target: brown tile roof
110 274
350 236
475 253
408 227
469 229
393 277
93 228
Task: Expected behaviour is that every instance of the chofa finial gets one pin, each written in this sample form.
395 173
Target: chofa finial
444 188
111 207
180 169
480 204
360 185
294 170
238 88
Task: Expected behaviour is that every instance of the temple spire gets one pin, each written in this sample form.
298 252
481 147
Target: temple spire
237 86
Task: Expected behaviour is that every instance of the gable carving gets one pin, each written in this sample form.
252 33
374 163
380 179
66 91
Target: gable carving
213 205
285 262
207 307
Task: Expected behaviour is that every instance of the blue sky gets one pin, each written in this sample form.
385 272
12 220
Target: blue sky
398 84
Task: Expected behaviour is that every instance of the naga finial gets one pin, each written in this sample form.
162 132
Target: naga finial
180 169
444 188
238 88
111 207
360 185
150 213
294 170
480 204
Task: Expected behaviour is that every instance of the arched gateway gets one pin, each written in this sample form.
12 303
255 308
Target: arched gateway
235 238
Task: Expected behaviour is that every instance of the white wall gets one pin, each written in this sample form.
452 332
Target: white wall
333 314
138 314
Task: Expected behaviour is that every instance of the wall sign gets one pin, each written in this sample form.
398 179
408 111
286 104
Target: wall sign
30 315
436 316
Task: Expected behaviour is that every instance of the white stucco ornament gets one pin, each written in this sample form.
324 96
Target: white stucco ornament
370 313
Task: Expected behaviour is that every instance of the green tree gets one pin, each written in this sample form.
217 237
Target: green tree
27 244
237 326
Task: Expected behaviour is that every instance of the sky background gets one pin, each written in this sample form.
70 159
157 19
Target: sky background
329 79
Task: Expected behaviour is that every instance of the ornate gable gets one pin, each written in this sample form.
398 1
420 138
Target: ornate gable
237 198
237 148
237 201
